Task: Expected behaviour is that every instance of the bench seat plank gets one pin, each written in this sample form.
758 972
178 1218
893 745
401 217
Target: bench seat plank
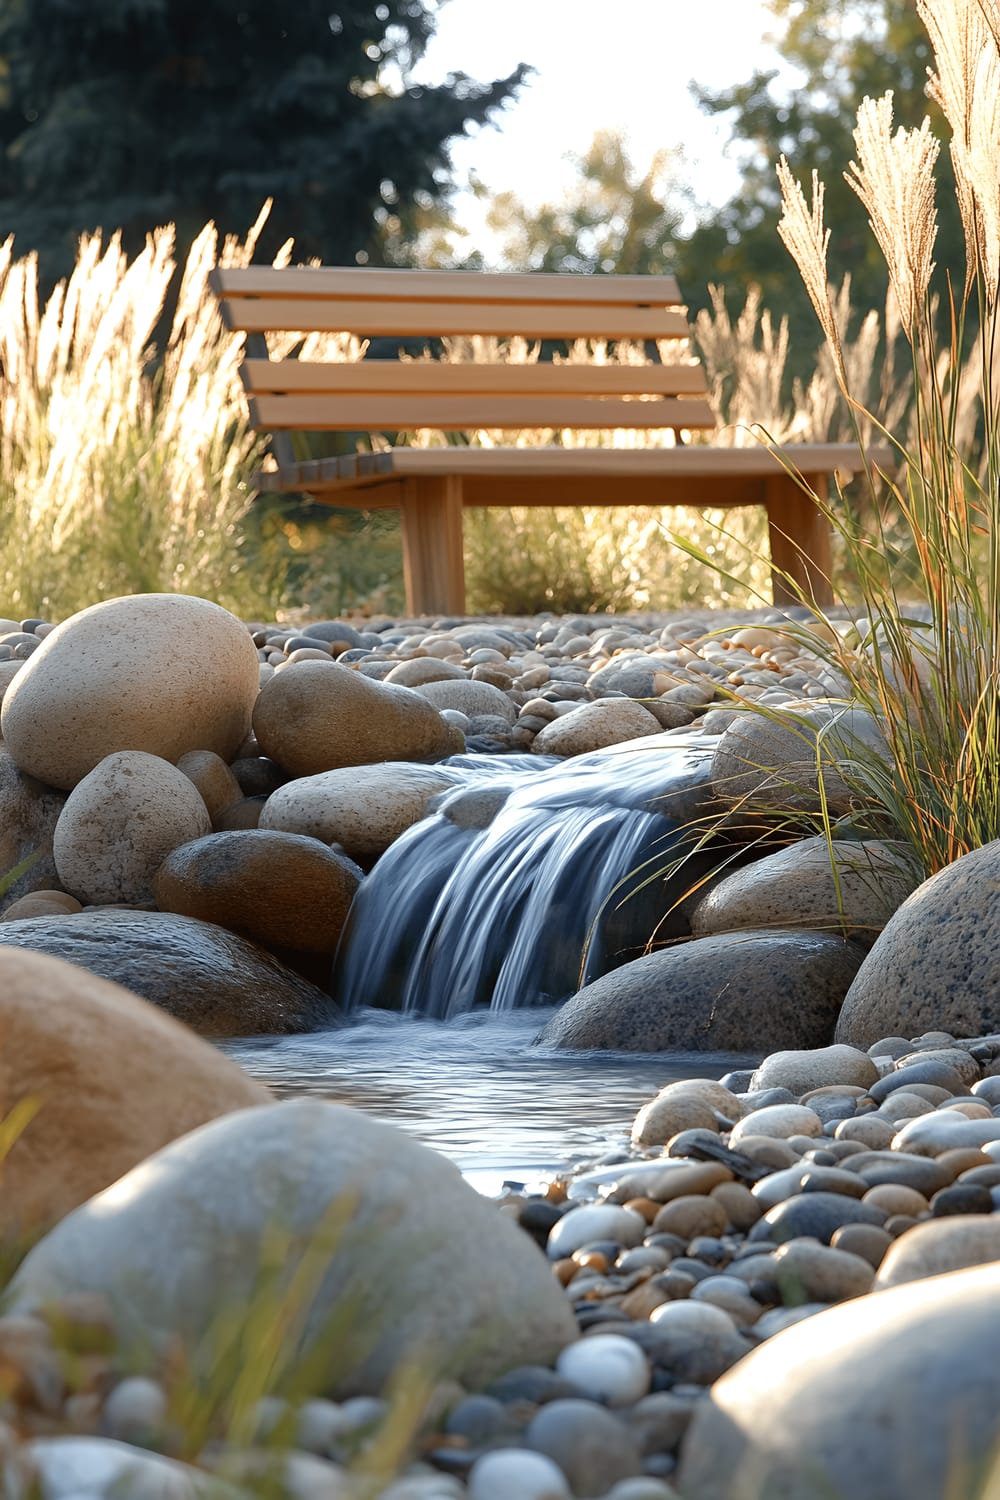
692 461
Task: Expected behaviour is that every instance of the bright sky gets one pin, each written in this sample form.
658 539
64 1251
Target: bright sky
625 64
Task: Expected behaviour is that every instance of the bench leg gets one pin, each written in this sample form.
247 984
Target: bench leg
800 540
433 565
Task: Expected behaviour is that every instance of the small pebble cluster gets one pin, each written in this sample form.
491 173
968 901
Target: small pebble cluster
741 1207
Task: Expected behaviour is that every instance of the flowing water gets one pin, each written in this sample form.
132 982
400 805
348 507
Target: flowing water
530 879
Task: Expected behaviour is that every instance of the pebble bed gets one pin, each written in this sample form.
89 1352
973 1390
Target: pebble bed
739 1207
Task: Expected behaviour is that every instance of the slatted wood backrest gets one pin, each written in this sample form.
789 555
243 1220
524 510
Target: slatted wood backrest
389 395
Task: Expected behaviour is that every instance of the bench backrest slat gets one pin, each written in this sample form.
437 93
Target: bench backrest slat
369 318
455 413
346 283
265 377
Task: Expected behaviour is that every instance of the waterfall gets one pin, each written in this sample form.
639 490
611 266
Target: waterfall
525 882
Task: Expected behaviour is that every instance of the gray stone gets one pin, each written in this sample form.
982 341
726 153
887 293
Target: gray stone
816 1216
771 759
67 1467
742 992
592 726
939 1074
29 811
901 1404
937 963
216 982
592 1447
795 887
595 1221
181 1237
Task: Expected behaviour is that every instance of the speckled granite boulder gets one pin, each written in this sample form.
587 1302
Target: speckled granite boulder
740 992
120 822
892 1399
795 887
180 1241
311 717
936 966
772 760
116 1079
278 889
164 673
215 982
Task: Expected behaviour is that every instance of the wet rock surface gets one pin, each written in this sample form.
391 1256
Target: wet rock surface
216 982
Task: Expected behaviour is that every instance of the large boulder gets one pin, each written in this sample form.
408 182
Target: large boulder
107 1078
214 981
164 673
278 889
751 991
850 887
936 965
775 759
411 1263
890 1397
363 808
29 811
311 717
119 823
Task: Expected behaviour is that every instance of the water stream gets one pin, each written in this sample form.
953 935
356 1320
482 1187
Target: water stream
528 880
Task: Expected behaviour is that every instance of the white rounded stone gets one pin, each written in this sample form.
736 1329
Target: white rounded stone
157 672
516 1474
120 822
607 1368
780 1120
595 1221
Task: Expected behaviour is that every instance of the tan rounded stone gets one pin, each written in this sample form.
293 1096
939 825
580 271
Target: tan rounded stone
894 1198
422 669
214 781
592 726
691 1215
939 1245
742 1208
111 1080
41 904
278 889
364 809
780 1120
120 822
312 719
689 1104
164 673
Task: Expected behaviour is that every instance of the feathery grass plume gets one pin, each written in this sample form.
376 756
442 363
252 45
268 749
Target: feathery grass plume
965 37
894 178
803 233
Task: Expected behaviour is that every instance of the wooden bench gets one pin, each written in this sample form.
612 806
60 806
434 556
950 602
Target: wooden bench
431 485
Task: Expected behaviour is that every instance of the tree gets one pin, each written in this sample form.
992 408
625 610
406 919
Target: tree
133 113
843 50
613 218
